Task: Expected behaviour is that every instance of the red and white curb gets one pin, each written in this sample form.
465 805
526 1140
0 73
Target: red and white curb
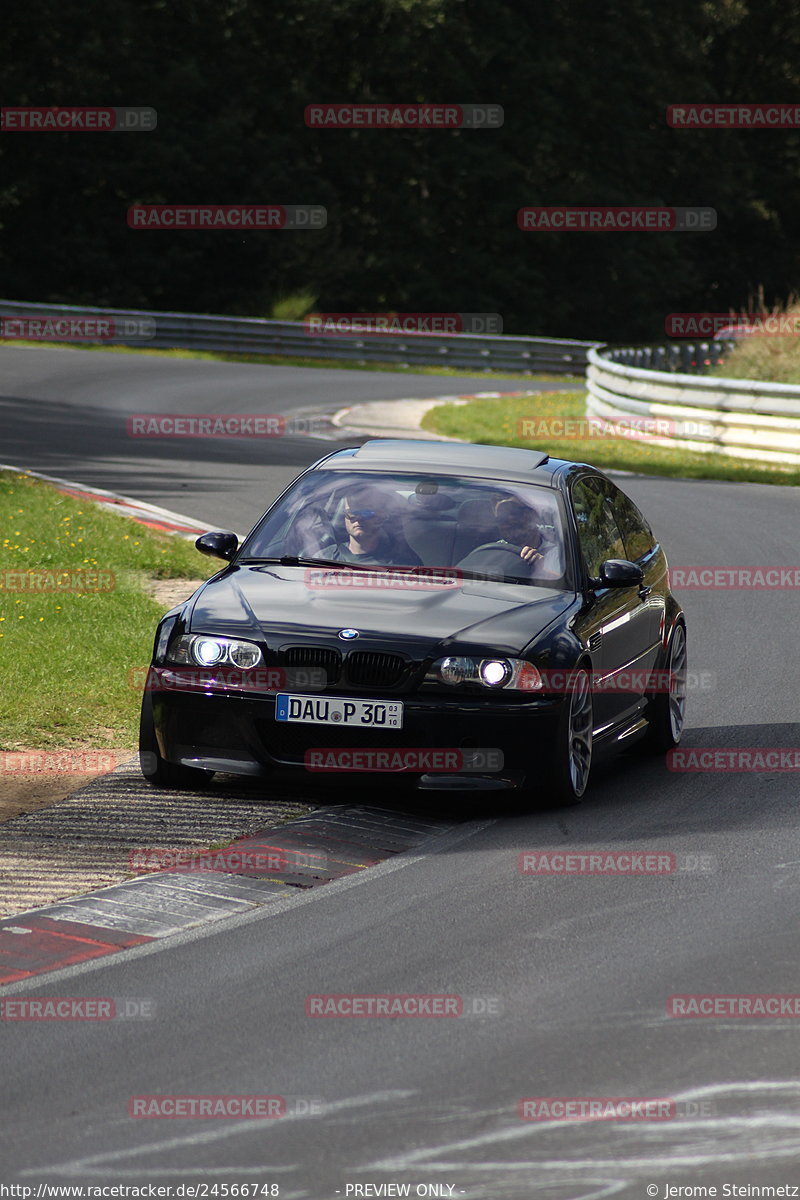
310 851
253 872
161 519
403 418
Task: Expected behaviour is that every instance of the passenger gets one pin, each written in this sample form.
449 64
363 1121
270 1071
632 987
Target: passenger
368 542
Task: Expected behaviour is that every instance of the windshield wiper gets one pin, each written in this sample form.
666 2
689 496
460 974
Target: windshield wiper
486 577
297 560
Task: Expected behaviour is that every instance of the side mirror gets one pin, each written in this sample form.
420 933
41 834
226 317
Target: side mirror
619 573
218 544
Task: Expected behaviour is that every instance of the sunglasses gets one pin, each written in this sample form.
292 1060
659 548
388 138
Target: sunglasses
360 514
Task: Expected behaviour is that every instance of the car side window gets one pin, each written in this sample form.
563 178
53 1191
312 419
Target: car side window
598 533
636 533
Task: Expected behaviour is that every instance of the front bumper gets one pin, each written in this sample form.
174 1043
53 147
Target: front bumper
239 734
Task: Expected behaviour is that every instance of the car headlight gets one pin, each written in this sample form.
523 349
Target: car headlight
495 672
245 655
510 674
456 670
202 650
207 651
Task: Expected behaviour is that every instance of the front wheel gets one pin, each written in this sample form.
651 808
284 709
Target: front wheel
156 770
667 708
567 778
572 757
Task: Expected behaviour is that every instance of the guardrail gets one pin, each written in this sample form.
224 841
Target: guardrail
252 335
686 357
739 417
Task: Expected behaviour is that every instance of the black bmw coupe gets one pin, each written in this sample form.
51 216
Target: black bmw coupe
474 616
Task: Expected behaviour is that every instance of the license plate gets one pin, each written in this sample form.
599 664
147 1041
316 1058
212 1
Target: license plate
339 710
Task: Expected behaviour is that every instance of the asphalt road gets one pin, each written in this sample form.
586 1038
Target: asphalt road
64 412
573 973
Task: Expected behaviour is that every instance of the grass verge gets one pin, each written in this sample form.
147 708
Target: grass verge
279 360
499 423
66 654
766 359
766 355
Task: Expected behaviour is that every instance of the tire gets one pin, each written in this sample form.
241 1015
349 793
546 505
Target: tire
564 781
572 756
666 712
156 770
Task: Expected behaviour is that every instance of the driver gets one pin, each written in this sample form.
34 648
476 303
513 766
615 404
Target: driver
365 513
519 526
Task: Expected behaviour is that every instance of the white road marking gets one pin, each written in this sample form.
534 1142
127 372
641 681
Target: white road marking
761 1150
95 1164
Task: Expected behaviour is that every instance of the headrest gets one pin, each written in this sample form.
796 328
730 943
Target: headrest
437 502
476 512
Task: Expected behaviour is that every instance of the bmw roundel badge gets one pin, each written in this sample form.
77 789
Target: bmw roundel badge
347 635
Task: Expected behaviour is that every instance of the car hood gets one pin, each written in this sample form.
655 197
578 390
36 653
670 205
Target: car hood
286 603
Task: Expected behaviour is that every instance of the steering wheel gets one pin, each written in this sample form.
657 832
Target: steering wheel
312 510
522 568
492 551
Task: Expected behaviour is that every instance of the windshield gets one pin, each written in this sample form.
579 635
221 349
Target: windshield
502 531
